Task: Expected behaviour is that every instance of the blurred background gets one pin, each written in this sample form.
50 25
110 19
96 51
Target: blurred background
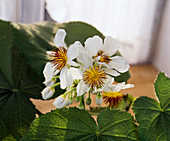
142 27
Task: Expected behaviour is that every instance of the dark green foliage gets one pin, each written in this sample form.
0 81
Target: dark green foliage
154 117
112 125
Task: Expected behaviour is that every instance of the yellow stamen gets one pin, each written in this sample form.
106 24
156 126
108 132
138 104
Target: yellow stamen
103 57
113 98
94 77
112 94
59 57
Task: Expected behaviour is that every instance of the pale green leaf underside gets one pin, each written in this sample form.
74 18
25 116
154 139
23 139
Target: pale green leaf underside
162 89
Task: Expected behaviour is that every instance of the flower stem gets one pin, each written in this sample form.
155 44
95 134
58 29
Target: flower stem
82 99
69 91
89 95
55 77
55 85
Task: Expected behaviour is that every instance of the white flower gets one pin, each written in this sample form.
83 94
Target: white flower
48 92
111 93
49 72
103 52
60 102
93 76
62 58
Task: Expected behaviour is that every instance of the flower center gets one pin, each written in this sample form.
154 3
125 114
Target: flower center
94 77
103 57
113 98
59 57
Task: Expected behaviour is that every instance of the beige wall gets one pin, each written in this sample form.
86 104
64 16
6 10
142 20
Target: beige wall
161 52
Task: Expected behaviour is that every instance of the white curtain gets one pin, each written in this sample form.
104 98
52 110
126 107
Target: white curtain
23 11
129 21
9 10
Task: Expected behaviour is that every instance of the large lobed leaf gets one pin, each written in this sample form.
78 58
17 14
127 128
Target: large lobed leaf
16 110
75 124
154 117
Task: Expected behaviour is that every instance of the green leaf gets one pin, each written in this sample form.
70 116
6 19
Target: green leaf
5 49
51 126
81 126
116 125
153 120
154 117
123 77
79 31
162 89
16 110
75 124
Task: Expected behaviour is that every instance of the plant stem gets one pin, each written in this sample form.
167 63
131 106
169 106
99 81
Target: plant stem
55 85
83 101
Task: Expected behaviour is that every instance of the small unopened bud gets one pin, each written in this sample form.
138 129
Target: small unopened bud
88 101
99 99
81 106
60 102
69 101
48 92
77 99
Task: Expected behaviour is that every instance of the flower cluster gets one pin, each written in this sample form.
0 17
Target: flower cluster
90 69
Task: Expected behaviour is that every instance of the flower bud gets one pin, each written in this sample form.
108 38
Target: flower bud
99 99
47 92
77 99
49 83
69 101
81 106
60 102
88 101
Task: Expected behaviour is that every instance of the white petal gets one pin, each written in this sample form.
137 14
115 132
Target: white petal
76 73
47 92
73 50
48 71
66 79
122 85
128 86
60 102
49 83
56 72
107 88
109 80
72 63
82 88
110 46
103 64
84 57
93 45
119 63
49 52
97 90
59 38
112 72
108 83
